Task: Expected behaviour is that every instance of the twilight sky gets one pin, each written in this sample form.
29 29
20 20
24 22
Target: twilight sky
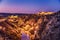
29 6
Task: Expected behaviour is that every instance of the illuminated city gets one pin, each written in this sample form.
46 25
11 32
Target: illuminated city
29 19
25 27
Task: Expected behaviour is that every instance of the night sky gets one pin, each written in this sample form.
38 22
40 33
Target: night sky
29 6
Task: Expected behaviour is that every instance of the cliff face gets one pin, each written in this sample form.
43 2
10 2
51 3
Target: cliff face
43 26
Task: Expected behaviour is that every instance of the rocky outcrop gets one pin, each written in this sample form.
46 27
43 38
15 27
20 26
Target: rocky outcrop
51 29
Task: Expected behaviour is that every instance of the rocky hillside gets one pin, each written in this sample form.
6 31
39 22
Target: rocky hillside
51 27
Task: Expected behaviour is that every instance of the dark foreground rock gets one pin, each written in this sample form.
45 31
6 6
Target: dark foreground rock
51 27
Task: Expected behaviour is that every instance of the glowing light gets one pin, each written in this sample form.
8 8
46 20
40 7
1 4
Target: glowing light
45 13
